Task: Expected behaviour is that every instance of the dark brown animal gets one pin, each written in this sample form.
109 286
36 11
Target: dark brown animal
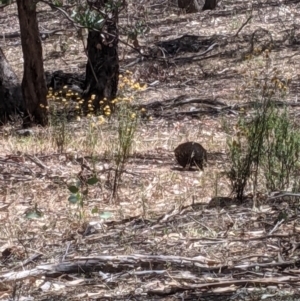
194 6
190 154
209 4
190 6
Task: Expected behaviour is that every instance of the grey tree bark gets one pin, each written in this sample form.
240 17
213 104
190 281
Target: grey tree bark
102 69
33 84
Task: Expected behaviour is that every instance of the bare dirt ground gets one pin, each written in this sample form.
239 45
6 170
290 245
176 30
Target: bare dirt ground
160 242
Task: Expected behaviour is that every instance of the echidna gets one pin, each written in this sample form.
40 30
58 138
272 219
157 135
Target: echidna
190 154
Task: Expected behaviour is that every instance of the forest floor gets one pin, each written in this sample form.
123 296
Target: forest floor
156 240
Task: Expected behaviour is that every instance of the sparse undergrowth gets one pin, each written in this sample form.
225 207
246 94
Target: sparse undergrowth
266 148
65 104
225 251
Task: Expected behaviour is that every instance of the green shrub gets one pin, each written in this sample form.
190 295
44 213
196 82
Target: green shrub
266 147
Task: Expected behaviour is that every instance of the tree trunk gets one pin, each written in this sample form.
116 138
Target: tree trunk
33 85
102 69
11 101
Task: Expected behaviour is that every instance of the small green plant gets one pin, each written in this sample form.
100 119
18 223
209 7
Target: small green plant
63 105
127 117
282 149
127 124
32 213
58 122
135 30
92 134
79 194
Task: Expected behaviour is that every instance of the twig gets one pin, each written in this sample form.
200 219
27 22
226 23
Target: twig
210 48
250 17
37 161
276 226
67 251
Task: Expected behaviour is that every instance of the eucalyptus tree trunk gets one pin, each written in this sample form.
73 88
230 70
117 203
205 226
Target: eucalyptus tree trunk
33 84
102 69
